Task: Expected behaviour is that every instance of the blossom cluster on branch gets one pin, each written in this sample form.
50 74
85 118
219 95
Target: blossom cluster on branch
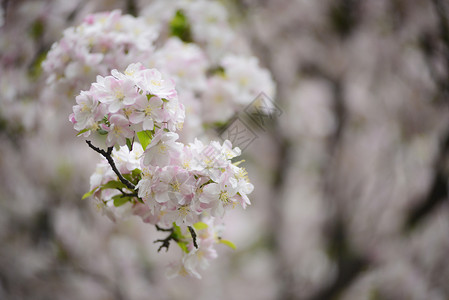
165 182
153 165
215 79
123 104
103 41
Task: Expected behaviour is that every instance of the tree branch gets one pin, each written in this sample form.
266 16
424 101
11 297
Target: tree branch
438 190
349 262
165 242
441 10
108 156
193 233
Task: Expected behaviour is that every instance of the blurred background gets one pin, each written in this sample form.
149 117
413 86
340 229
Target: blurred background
351 179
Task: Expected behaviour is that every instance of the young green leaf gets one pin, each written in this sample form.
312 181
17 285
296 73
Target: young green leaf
180 27
113 184
200 226
129 143
119 200
228 243
177 232
83 131
134 176
144 138
136 172
183 246
90 193
102 131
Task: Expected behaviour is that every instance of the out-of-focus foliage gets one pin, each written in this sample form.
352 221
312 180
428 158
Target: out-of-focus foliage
351 179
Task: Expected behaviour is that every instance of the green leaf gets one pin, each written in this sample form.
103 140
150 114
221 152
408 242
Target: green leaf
200 226
180 27
219 124
177 232
113 184
35 69
90 193
129 143
83 131
145 138
134 176
228 243
128 177
136 172
102 131
217 70
105 120
183 246
119 200
37 29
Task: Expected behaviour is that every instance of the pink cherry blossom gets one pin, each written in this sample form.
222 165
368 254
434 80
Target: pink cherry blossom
152 82
162 149
115 92
118 131
147 112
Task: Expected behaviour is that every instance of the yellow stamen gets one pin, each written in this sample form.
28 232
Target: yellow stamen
117 131
156 82
119 94
85 108
127 111
175 186
148 110
224 197
186 164
162 148
183 210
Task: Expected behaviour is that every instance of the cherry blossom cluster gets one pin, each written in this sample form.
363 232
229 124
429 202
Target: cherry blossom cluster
154 166
184 182
182 187
126 103
195 258
208 23
214 74
102 42
179 187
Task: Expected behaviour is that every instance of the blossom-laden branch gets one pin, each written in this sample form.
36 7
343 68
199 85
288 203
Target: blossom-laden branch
165 242
161 180
169 182
174 236
108 155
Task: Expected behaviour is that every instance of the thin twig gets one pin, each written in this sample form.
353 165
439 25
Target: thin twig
127 194
164 229
165 242
108 156
193 233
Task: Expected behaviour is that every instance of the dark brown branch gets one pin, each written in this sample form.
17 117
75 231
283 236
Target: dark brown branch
193 233
438 190
441 11
131 8
127 194
165 242
108 156
349 263
436 45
